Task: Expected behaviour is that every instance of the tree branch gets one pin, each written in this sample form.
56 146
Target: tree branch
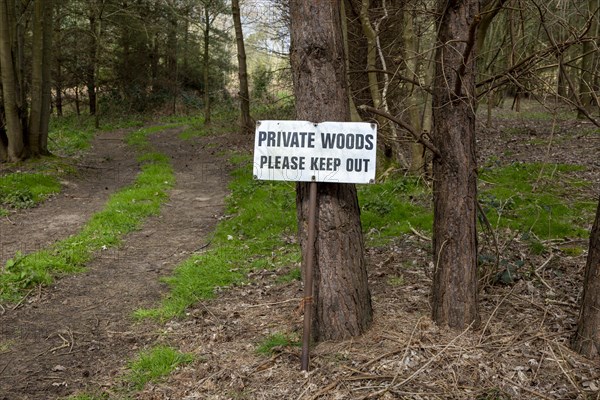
405 126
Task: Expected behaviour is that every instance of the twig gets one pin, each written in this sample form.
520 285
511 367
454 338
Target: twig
569 378
273 304
538 269
419 234
494 313
439 353
22 300
407 347
405 126
528 390
543 281
4 368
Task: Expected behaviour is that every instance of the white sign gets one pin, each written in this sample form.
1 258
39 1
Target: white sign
340 152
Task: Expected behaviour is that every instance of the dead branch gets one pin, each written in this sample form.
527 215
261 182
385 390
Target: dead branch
405 126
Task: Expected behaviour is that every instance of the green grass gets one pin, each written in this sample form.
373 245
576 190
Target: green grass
123 213
87 397
253 238
275 341
24 190
536 198
70 134
389 209
154 364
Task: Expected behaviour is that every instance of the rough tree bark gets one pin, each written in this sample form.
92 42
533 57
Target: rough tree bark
91 67
417 150
246 122
14 129
206 59
587 337
342 303
39 115
454 293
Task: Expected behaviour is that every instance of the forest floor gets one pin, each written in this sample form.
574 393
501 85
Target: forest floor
77 335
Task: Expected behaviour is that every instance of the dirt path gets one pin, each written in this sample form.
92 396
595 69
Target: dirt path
79 333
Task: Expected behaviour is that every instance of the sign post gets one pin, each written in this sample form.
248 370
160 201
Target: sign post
303 151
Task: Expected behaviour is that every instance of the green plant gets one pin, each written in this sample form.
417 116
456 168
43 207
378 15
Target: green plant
276 341
396 280
25 190
155 363
294 274
536 198
393 207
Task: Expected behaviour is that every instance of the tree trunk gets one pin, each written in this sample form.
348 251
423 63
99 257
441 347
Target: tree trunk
587 337
3 138
586 80
77 105
46 76
246 122
389 141
91 67
206 66
454 297
342 303
172 60
354 115
37 65
417 150
14 128
58 80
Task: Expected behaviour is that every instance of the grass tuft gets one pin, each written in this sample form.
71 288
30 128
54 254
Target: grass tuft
25 190
276 341
536 198
389 209
156 363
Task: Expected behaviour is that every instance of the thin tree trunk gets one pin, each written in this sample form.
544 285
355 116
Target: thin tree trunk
18 21
37 62
46 76
14 128
77 105
586 80
246 122
91 67
206 66
376 97
58 81
587 337
342 302
354 115
172 60
454 299
417 150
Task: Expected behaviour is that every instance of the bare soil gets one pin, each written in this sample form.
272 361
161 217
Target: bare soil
78 334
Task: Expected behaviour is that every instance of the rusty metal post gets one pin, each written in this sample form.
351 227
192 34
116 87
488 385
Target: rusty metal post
308 274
